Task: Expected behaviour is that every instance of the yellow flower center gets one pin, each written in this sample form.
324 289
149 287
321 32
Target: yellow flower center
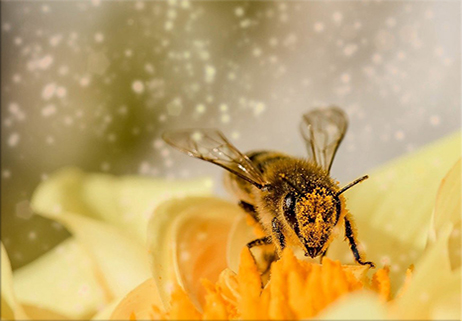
297 290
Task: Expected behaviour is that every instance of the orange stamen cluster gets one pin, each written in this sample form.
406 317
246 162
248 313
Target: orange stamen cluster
297 290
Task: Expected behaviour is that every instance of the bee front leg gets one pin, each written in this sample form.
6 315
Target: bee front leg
278 238
261 241
323 254
350 235
249 209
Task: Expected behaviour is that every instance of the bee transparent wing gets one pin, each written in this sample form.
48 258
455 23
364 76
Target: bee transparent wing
212 146
323 130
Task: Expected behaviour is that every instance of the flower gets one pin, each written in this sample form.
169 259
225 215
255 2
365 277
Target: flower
102 269
89 273
395 220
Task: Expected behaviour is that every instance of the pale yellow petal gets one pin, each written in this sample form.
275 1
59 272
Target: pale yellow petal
126 201
435 289
393 208
355 306
11 309
62 280
187 240
448 209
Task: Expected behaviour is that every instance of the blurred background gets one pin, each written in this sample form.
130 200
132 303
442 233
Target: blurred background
93 84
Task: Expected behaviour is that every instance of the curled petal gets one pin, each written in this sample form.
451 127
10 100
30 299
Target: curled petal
187 240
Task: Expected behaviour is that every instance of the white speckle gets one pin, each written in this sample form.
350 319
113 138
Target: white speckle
424 297
235 135
185 256
259 108
158 143
49 91
377 59
61 92
350 49
13 139
239 11
210 72
257 52
318 27
435 120
391 22
337 17
200 108
99 37
68 120
223 107
149 68
225 118
385 260
32 235
168 25
45 62
48 110
105 166
139 5
63 70
175 107
55 40
50 140
345 78
6 173
201 236
138 86
128 53
399 135
246 23
84 81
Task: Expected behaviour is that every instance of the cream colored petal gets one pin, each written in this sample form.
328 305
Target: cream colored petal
187 240
62 280
356 306
435 290
126 202
11 309
393 207
448 209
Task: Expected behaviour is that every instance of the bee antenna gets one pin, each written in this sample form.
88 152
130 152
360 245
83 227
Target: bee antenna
359 180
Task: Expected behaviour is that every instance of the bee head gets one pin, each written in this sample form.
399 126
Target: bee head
312 216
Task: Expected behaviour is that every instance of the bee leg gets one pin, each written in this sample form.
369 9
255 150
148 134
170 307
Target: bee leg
350 235
249 209
323 254
261 241
278 237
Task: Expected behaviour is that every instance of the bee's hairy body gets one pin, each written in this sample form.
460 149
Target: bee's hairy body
279 169
295 200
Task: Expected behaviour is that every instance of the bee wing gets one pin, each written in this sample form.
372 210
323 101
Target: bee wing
323 130
212 146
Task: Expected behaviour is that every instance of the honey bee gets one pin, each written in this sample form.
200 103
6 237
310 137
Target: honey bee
295 200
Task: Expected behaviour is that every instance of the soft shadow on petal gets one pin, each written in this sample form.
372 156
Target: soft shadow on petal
142 303
11 309
187 239
448 210
126 202
393 208
356 306
62 281
434 288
